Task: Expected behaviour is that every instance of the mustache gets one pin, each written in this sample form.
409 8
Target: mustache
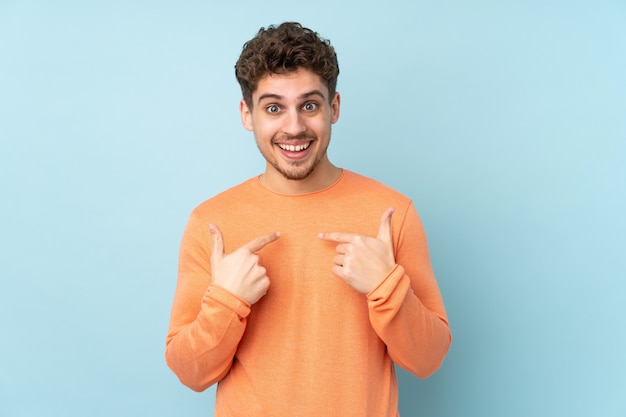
299 136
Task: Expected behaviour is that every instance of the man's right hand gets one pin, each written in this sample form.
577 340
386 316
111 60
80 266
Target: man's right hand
240 272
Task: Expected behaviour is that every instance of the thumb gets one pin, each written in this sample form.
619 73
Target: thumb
217 240
384 231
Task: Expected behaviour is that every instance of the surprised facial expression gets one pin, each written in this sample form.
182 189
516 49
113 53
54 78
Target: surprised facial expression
291 118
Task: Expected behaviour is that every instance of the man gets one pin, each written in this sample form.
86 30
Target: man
299 289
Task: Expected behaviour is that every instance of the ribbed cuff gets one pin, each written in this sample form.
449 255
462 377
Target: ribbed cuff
229 300
385 288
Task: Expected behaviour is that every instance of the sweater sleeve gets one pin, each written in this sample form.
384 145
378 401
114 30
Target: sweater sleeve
406 309
206 322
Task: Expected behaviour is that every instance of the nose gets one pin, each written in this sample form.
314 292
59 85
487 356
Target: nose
294 123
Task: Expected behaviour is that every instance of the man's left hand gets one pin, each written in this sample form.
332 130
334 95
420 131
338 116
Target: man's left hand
363 261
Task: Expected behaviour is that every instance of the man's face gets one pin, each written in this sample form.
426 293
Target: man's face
291 118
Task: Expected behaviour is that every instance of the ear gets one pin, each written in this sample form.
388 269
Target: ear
246 115
334 108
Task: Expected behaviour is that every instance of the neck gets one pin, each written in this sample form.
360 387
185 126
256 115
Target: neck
317 180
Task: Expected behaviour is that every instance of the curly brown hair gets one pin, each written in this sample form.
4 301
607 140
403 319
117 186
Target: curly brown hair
282 49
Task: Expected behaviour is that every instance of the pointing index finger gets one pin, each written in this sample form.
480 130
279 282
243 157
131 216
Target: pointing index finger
260 242
337 237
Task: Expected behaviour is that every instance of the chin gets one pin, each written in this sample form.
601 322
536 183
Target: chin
296 174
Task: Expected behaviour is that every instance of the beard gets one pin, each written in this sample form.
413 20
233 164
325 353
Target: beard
297 170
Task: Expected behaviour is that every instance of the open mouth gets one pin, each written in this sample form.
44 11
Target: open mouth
294 148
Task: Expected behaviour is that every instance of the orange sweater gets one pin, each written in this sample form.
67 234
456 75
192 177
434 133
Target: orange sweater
312 346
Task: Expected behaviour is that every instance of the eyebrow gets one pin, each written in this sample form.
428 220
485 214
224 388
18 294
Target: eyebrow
301 97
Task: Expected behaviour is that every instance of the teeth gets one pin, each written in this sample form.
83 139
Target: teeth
294 148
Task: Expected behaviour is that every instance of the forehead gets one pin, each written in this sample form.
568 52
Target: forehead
289 86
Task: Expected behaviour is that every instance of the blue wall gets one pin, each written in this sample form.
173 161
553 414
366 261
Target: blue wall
505 122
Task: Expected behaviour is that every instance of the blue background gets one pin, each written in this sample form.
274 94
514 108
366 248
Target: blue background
503 120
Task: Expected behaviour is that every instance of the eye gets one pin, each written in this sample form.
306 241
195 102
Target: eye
272 108
310 106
